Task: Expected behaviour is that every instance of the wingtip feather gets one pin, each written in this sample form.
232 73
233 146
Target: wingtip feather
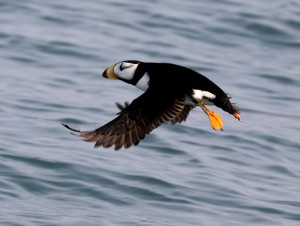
71 128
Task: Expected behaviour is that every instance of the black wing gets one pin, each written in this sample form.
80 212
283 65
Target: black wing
182 116
136 120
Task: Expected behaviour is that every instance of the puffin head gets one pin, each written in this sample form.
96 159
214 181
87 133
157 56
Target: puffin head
124 70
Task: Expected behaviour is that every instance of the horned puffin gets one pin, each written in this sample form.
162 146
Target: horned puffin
170 93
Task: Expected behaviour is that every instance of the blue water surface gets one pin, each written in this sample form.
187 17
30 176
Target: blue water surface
52 55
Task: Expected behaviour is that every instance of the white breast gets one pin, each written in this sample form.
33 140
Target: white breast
143 83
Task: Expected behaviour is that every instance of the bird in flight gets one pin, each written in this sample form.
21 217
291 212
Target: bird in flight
170 93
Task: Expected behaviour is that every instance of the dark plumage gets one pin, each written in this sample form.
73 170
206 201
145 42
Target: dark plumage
171 92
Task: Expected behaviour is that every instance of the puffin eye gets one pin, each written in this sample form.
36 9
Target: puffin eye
121 68
124 66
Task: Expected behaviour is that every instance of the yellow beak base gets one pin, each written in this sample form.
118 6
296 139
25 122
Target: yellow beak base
109 73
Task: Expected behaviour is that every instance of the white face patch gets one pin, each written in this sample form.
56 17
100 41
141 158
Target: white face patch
203 95
125 70
143 83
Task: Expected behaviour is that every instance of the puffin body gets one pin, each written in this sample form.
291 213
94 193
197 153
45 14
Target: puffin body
170 93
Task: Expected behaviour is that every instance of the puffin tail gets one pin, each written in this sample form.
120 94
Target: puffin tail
226 105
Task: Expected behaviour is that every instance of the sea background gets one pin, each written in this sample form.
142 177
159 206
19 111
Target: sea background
52 55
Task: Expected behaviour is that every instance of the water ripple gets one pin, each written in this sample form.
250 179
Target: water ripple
52 56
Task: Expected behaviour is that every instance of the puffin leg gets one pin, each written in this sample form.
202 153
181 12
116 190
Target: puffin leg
214 119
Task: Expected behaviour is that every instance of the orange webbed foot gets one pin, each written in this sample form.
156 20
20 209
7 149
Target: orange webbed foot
215 120
237 116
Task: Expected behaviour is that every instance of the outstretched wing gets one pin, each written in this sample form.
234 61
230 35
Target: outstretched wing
182 116
135 121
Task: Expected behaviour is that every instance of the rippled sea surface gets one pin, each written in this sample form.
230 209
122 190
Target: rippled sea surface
52 54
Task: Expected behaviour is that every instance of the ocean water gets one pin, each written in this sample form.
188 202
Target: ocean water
52 55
